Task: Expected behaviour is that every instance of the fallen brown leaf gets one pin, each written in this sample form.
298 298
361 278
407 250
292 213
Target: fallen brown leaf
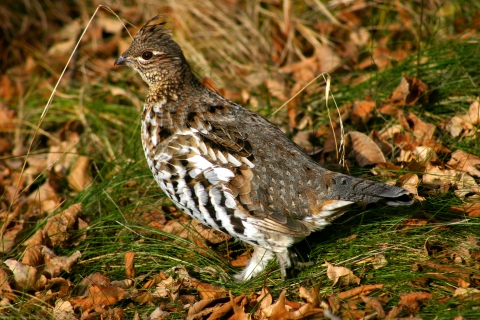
264 300
130 264
310 296
421 130
167 288
387 109
54 264
58 230
470 209
341 273
33 253
410 181
278 310
26 277
411 301
203 308
63 310
375 304
124 284
211 235
464 125
436 176
158 314
208 291
381 58
238 310
46 197
9 238
5 289
362 111
79 177
241 260
98 296
154 280
60 286
385 147
413 222
366 151
154 218
463 161
360 290
472 294
94 279
408 92
424 154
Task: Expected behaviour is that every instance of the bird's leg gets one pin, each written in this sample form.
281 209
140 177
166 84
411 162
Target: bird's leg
297 264
283 258
256 264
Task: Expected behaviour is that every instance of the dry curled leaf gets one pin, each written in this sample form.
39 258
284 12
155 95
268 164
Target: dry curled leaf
408 92
264 300
204 308
167 288
463 161
410 182
33 253
341 273
436 176
464 125
60 286
26 277
281 310
54 264
58 230
379 261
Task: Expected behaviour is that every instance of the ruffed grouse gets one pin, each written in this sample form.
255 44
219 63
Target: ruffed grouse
228 167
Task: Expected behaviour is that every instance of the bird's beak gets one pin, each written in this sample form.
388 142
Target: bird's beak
120 60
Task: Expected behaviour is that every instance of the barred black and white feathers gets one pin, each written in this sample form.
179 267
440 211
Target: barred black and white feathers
228 167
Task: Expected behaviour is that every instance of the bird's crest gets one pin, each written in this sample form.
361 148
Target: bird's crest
155 26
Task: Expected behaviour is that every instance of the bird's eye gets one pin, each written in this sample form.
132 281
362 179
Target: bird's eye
147 55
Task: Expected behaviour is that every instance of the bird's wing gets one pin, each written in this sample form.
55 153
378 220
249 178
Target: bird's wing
222 131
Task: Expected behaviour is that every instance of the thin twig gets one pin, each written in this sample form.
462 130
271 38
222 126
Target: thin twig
341 156
296 94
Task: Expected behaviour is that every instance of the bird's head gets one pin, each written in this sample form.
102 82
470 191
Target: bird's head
154 54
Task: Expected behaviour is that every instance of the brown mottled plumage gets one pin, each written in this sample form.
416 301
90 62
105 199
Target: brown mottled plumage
228 167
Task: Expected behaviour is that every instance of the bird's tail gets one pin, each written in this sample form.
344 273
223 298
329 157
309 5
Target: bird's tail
342 187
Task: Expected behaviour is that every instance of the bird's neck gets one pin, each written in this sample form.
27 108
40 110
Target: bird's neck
170 101
174 87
